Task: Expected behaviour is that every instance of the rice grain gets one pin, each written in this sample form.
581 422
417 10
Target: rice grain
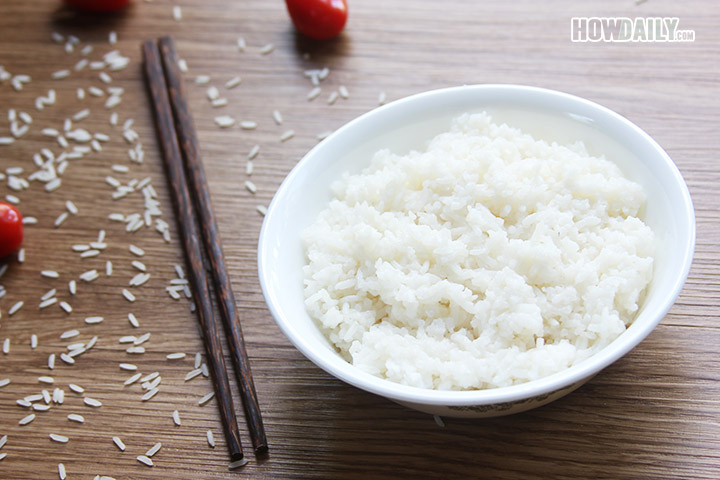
26 420
206 398
119 443
132 379
74 417
58 438
91 402
153 450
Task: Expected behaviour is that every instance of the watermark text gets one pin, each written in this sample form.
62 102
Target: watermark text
625 29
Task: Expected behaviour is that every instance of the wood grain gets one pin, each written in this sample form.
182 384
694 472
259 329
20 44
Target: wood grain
653 414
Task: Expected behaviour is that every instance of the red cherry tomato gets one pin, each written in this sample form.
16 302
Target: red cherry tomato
318 19
97 5
11 229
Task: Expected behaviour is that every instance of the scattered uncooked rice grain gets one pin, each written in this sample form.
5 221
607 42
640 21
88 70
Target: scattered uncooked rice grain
89 276
177 13
176 418
343 91
46 379
248 125
206 398
133 320
128 295
74 417
60 74
212 93
287 135
139 279
91 402
119 443
210 439
94 320
219 102
144 460
237 463
71 207
277 117
233 82
17 306
137 251
153 450
61 471
58 396
150 376
132 379
175 356
67 359
314 93
58 438
251 187
26 420
69 334
150 394
47 303
4 382
224 121
482 270
268 48
6 346
76 388
128 366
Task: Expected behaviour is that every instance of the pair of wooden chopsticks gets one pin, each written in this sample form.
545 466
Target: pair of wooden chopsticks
179 147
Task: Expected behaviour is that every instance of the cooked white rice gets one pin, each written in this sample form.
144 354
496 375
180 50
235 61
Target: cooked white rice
490 259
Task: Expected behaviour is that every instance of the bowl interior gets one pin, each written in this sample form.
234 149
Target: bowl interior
409 124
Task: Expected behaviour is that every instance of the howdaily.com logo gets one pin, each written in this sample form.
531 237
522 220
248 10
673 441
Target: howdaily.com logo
624 29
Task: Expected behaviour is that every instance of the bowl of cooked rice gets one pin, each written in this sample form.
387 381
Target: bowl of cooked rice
476 251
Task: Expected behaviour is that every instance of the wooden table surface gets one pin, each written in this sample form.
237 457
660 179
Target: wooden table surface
654 414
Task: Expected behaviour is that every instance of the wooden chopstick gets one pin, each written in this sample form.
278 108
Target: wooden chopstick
173 163
213 246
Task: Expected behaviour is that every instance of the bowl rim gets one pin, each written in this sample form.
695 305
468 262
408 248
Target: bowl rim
543 386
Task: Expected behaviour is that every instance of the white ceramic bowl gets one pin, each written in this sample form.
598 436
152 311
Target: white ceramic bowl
408 124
